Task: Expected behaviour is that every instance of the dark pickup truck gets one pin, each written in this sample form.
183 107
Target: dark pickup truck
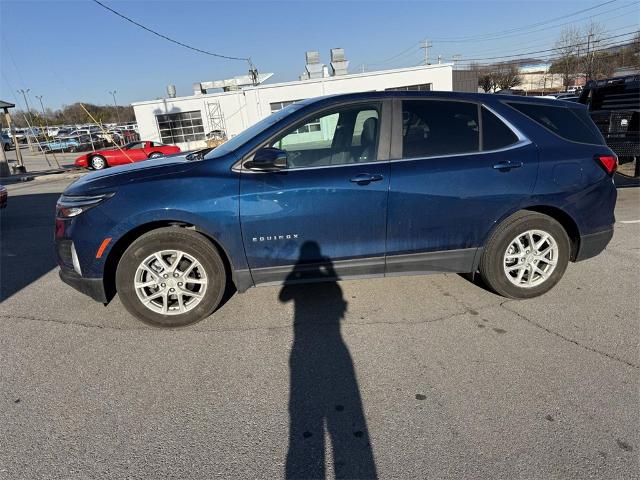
614 106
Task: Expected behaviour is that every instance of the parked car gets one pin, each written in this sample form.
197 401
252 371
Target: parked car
7 142
132 152
385 183
3 196
70 144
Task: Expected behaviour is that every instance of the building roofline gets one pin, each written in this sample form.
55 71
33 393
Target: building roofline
372 73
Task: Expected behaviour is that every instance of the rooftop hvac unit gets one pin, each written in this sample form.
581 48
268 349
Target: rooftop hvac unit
313 67
339 64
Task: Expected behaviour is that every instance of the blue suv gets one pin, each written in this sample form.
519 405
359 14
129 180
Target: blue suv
347 186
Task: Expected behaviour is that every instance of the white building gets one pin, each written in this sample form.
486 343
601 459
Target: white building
184 121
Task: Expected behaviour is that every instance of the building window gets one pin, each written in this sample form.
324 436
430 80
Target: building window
313 126
180 127
423 87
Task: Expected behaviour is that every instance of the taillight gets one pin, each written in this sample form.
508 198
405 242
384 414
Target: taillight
608 162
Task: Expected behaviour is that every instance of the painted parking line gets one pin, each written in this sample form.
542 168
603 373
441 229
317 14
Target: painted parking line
629 221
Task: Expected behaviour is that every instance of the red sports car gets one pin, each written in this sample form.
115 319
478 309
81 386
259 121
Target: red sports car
131 152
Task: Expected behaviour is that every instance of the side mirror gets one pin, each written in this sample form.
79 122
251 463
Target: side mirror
268 158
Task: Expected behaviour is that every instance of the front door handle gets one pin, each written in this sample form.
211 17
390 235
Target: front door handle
508 165
366 178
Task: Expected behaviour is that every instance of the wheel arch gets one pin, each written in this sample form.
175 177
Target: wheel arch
558 214
121 245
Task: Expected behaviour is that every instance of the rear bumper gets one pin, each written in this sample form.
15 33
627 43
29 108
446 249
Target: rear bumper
93 287
593 244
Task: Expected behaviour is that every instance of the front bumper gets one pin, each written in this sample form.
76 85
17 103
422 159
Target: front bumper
593 244
93 287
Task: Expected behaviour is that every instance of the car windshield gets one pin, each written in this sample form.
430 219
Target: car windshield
254 130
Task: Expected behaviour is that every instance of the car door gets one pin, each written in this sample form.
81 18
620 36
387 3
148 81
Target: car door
458 169
136 151
325 214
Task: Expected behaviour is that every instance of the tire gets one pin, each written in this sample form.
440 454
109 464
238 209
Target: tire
507 262
166 309
156 155
98 162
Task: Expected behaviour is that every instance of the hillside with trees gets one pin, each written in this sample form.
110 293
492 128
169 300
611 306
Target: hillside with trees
73 114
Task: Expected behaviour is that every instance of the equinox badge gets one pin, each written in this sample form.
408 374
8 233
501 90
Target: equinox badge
269 238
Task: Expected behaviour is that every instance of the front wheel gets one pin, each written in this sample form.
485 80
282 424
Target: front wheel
526 256
171 277
98 162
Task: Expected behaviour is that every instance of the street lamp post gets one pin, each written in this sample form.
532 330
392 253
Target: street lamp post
115 104
47 136
44 115
30 129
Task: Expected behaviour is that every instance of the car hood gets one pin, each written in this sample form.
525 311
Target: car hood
113 177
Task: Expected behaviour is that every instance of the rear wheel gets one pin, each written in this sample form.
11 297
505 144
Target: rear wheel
98 162
526 256
171 277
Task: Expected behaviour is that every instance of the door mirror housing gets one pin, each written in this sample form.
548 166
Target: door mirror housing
268 158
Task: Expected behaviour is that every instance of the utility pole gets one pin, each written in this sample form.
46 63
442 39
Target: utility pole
363 68
113 94
30 129
587 74
456 58
426 45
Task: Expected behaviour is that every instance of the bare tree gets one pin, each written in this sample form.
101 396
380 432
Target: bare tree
593 65
486 79
567 64
507 75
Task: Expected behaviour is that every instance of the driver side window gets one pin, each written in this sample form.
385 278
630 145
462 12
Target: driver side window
348 135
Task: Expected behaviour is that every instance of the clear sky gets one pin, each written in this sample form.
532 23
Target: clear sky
76 50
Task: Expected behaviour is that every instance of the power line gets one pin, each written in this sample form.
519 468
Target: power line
602 48
526 27
412 49
195 49
496 35
546 42
551 49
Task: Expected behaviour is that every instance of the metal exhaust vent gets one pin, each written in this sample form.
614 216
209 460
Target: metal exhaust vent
339 65
313 67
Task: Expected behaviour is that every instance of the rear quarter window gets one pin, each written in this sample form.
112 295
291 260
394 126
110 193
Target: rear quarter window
570 123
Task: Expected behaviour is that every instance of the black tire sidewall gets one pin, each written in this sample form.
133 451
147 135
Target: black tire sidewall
491 264
167 239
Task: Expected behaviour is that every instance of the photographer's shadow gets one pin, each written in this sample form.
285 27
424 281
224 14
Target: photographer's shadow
324 395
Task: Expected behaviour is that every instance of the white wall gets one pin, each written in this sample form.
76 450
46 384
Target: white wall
243 108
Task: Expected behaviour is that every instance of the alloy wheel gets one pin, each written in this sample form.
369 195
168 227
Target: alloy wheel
170 282
530 258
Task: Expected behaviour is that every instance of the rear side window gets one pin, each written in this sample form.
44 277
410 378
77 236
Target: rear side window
495 134
569 123
439 127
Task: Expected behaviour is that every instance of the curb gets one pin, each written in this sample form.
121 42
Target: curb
42 177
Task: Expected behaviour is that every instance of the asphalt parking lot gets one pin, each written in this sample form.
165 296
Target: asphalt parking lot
423 377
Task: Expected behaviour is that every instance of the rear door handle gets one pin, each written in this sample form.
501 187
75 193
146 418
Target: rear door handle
365 178
508 165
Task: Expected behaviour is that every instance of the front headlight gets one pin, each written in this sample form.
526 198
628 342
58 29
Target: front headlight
73 205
